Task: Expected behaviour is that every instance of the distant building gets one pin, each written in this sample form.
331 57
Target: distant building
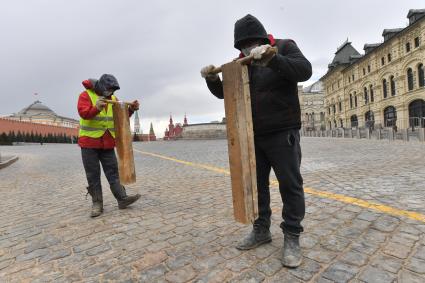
174 132
312 107
39 119
205 131
137 129
384 88
39 113
213 130
151 136
138 133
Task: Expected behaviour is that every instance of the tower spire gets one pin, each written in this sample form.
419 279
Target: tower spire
151 131
185 120
136 123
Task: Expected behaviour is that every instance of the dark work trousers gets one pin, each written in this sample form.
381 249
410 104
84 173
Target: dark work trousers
282 152
92 158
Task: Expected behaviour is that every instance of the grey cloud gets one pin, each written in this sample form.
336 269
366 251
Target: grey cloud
156 48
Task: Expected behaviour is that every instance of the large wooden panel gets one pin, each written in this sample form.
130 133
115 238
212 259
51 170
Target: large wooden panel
124 144
240 137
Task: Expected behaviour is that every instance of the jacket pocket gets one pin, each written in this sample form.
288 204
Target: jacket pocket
290 138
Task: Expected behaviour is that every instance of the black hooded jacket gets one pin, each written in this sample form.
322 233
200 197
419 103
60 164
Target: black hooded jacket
274 91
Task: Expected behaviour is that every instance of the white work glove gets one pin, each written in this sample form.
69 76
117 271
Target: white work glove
258 51
206 72
263 54
100 104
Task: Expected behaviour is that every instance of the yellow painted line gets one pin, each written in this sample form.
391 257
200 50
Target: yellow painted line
363 203
341 198
198 165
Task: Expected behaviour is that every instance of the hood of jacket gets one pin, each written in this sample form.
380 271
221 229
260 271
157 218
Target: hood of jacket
89 83
249 28
106 82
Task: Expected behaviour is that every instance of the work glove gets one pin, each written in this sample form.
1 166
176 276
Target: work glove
263 54
134 106
206 72
100 104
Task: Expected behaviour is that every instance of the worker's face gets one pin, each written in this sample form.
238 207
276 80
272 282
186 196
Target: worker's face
107 93
249 45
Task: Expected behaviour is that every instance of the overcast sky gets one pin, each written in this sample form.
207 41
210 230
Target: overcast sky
157 48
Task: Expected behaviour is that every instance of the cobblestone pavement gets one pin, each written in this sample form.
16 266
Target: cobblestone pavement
182 230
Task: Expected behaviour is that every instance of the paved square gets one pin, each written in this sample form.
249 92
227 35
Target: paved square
365 217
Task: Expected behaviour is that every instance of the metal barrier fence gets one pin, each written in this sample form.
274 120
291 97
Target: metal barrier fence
393 130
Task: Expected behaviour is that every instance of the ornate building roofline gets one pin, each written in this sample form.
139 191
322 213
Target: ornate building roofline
396 32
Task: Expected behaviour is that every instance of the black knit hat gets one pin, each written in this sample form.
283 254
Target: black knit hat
249 28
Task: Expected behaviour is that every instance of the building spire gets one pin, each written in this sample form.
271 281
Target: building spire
136 123
185 120
151 131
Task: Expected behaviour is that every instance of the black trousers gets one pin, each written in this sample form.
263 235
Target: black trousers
282 152
92 158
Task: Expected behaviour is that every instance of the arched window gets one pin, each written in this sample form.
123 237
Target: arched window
351 101
371 93
354 121
421 75
410 79
355 99
392 84
366 98
384 88
390 116
417 113
369 118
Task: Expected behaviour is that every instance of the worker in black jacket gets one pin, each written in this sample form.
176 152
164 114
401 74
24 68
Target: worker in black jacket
276 118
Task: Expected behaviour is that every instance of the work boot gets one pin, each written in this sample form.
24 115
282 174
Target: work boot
291 256
120 194
123 203
258 236
96 209
97 200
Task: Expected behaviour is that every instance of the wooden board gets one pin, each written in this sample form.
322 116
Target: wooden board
124 144
240 137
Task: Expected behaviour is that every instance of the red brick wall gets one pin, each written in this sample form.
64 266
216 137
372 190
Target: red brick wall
178 131
146 137
7 125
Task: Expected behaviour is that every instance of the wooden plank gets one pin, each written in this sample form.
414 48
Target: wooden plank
124 144
240 137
